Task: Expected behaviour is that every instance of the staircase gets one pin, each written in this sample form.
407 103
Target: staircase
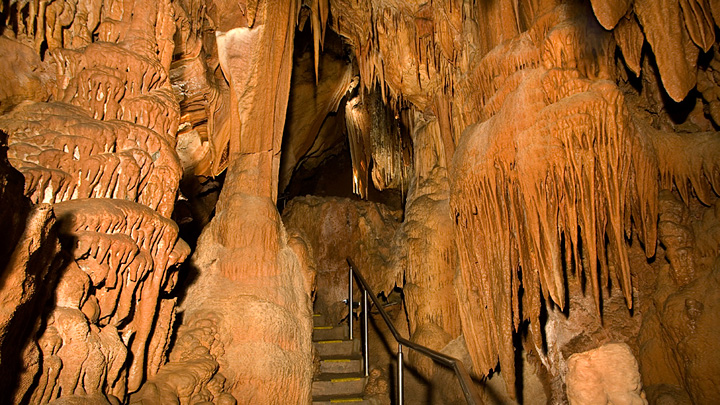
340 378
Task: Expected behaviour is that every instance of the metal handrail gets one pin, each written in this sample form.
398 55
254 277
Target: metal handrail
471 396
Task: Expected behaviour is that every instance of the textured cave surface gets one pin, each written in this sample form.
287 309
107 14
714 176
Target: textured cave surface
532 186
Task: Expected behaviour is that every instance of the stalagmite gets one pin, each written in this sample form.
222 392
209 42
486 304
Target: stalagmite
607 374
251 290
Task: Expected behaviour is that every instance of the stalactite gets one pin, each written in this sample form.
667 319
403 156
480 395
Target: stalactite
569 165
609 12
375 139
554 176
389 170
630 39
676 30
358 125
688 163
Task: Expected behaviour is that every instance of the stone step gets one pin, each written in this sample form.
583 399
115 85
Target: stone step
318 319
338 385
338 348
332 400
330 333
339 365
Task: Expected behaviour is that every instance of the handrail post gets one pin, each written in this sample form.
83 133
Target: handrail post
400 385
466 383
350 302
366 351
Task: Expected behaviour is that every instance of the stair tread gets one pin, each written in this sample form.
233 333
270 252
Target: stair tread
339 376
337 348
338 399
340 386
318 319
341 364
351 357
340 342
336 340
323 332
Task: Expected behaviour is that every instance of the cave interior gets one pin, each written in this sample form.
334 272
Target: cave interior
530 187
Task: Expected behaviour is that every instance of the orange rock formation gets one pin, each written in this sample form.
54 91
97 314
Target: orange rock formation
556 163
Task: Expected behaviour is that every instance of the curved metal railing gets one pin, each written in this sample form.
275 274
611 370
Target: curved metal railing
456 365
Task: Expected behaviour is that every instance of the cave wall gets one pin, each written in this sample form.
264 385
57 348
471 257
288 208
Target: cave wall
91 127
561 129
338 228
29 263
247 313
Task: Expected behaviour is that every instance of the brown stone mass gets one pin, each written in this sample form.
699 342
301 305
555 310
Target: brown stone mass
531 186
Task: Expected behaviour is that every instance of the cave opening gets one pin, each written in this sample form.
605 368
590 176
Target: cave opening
316 156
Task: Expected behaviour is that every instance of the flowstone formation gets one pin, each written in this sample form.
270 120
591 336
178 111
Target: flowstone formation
98 149
554 164
426 249
248 313
338 228
28 265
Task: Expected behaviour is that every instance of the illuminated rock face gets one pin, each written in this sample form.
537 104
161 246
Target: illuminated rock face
98 145
248 314
555 164
561 182
28 266
604 375
337 228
